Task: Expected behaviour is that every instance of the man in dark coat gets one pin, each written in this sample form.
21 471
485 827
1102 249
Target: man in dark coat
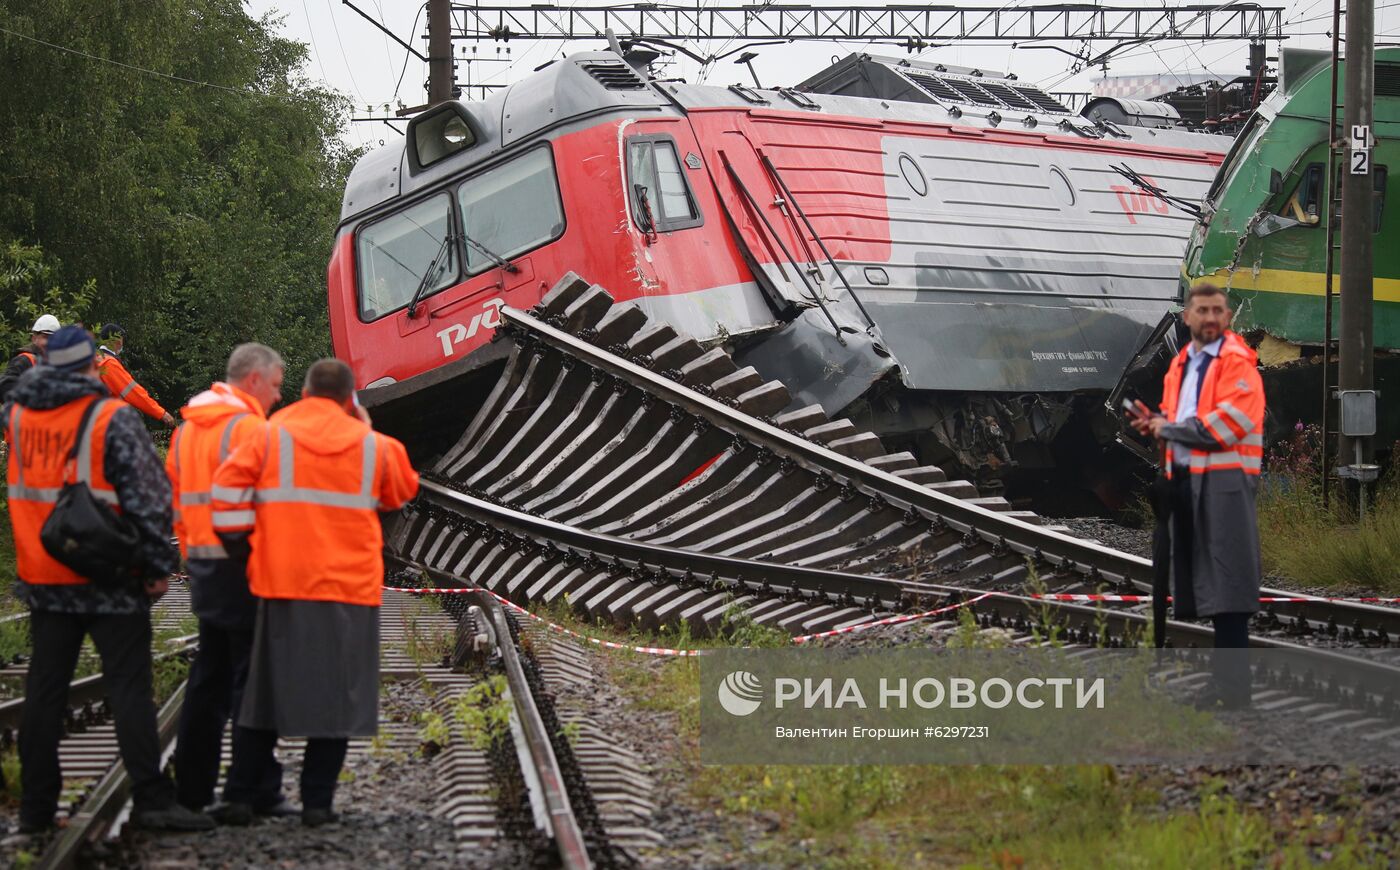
1212 422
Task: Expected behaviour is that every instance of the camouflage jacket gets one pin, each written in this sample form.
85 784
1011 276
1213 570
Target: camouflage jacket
143 490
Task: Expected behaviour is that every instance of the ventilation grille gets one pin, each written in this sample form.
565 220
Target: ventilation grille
1042 100
1388 79
972 92
935 86
1007 95
986 92
614 75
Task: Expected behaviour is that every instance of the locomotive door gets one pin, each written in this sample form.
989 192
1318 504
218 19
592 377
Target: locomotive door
784 180
658 161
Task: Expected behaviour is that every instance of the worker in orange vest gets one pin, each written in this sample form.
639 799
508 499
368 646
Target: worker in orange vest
217 422
310 491
1212 423
120 381
30 356
64 429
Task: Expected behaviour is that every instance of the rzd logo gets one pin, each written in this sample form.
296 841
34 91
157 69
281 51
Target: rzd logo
740 693
489 317
1135 200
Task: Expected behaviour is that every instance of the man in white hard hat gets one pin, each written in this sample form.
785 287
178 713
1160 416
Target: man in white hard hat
29 357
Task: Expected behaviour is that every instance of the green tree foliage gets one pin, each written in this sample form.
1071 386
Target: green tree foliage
29 287
197 215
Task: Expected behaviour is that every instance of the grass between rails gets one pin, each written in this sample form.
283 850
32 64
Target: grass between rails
1315 547
964 816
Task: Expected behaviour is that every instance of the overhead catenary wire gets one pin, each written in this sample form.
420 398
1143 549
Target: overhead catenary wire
407 54
388 56
345 58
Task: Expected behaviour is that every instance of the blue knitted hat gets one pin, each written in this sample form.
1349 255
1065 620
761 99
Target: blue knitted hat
71 349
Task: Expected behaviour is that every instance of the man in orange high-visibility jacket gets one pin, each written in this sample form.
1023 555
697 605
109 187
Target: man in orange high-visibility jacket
30 356
120 381
310 491
60 410
217 421
1212 421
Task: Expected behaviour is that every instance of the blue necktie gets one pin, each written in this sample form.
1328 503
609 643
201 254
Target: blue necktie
1201 365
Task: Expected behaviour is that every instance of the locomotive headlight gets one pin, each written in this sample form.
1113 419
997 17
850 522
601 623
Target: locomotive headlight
439 133
456 133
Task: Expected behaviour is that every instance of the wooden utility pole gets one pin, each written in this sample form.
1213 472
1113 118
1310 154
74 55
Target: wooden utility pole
440 77
1356 349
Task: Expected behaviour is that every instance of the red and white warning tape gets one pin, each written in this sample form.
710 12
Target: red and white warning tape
1263 599
554 626
665 651
852 629
893 620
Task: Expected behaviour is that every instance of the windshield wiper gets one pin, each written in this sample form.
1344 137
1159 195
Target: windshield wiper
430 275
491 255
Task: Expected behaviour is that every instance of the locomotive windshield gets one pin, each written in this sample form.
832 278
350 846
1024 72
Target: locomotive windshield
511 209
1242 145
505 211
394 253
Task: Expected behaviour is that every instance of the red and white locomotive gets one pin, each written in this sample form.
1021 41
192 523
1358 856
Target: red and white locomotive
948 257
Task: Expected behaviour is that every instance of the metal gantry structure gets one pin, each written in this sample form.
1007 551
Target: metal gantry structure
899 24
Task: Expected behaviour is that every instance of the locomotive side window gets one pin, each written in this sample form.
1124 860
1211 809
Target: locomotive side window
510 209
657 186
1305 204
393 254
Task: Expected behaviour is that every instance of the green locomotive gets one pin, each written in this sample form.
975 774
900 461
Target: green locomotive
1263 234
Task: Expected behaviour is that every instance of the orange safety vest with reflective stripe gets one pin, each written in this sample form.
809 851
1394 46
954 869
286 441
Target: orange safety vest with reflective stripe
124 386
40 442
217 421
310 490
1231 406
33 360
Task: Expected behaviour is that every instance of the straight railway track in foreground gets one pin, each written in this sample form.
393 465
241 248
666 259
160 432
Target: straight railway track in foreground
543 818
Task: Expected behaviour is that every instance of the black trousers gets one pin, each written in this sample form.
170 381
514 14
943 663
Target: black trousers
320 767
1230 670
213 694
124 643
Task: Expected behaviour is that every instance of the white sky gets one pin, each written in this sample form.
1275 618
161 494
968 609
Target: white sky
360 61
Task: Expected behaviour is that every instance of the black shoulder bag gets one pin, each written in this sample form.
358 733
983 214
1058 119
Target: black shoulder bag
84 534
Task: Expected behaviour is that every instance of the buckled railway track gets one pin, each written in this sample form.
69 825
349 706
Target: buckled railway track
603 422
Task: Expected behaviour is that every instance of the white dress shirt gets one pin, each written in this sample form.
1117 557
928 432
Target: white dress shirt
1186 401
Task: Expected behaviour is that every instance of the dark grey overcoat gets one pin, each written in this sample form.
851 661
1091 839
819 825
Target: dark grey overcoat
314 670
1225 568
